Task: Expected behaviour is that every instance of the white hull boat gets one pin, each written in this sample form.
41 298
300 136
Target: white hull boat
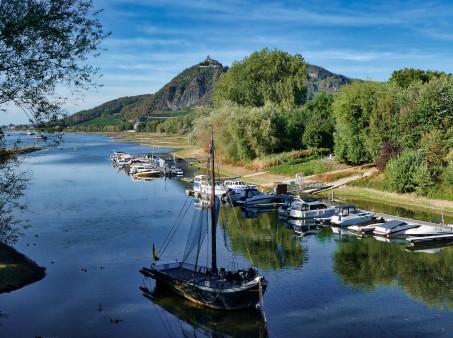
347 214
394 228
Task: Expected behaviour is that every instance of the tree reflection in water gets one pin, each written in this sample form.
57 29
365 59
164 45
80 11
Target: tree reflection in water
369 264
193 320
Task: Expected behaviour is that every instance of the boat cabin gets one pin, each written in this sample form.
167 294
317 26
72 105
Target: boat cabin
345 209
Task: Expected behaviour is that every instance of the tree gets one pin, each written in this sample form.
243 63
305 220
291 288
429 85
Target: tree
353 108
44 46
319 122
405 77
265 76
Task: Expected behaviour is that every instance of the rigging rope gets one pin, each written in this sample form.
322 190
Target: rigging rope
175 226
243 236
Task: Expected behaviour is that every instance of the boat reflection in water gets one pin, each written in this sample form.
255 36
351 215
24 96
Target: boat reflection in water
194 320
431 248
304 227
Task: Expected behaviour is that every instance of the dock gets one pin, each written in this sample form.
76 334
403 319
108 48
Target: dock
430 239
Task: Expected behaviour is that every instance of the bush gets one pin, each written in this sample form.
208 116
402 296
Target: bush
404 173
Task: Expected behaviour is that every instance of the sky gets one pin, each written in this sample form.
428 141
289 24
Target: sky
152 41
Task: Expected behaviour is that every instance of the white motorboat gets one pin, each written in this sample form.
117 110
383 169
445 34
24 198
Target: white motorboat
141 167
363 229
308 208
234 184
198 182
148 173
429 230
285 207
254 197
394 228
202 185
348 214
219 189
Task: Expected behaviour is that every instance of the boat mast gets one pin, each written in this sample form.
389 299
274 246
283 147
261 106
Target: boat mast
213 209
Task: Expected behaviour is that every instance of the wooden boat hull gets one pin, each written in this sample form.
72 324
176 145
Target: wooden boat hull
213 293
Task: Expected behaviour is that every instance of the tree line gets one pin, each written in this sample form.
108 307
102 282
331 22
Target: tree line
404 125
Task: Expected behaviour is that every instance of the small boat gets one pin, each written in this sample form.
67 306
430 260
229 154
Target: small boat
203 186
394 228
198 182
148 173
253 197
348 214
141 167
429 230
308 208
207 285
363 229
234 184
285 207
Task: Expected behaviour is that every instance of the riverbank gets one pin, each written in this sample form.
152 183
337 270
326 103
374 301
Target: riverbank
266 180
16 270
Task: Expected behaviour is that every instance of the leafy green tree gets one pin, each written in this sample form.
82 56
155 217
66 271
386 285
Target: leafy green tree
319 122
44 44
352 110
405 77
266 76
425 107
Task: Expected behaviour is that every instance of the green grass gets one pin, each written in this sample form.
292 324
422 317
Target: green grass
308 168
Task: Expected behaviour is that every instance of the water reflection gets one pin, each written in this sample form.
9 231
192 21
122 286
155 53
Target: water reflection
270 245
192 320
304 227
370 263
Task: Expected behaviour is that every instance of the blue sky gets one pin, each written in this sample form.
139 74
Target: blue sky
152 41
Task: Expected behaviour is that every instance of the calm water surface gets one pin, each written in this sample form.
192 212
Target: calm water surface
93 229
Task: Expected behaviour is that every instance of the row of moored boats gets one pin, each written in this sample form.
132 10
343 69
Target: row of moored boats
145 166
294 207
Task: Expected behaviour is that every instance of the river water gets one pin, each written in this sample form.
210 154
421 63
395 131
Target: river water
93 229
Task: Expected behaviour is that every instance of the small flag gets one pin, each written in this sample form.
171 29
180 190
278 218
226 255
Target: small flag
155 258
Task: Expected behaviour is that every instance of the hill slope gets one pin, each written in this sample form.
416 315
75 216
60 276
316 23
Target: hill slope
192 87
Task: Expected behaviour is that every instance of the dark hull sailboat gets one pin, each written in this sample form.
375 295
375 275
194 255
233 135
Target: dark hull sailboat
209 286
201 287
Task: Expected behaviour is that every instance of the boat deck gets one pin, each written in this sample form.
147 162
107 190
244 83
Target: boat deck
185 274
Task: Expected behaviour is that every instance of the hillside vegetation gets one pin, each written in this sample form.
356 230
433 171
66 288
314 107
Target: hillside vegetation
188 91
264 116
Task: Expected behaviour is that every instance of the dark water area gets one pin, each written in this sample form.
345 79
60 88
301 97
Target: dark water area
93 229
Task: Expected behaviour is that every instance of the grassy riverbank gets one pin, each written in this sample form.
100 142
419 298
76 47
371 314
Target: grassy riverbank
265 179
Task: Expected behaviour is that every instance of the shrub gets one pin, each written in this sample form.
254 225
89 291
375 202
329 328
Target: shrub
402 171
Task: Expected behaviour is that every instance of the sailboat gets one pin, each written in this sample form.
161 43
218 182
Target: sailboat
207 285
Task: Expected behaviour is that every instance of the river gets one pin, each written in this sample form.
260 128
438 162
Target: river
93 229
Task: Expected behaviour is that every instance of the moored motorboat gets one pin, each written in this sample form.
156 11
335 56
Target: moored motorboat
148 173
348 214
253 197
308 208
429 230
285 207
394 228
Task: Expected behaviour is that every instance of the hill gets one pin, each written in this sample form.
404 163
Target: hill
192 87
321 80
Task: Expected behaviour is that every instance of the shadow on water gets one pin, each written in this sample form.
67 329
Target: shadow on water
194 320
16 270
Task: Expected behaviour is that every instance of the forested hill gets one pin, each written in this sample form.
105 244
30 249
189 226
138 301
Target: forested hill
321 80
192 87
